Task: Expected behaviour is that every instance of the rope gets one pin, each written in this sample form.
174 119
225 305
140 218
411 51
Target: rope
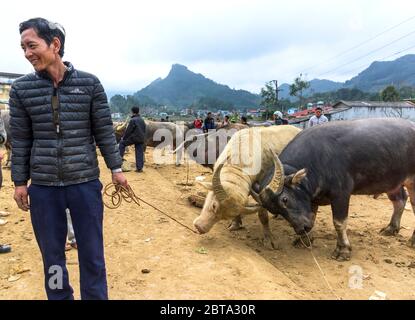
310 247
127 194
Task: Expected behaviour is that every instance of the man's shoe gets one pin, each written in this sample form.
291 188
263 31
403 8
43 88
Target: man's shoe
141 170
4 248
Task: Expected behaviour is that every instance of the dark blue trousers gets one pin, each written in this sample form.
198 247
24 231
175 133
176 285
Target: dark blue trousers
47 208
139 154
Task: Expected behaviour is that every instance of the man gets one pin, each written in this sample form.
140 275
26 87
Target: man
209 123
244 120
278 119
3 136
226 121
318 118
135 134
58 116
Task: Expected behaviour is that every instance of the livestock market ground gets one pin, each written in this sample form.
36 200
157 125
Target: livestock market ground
219 265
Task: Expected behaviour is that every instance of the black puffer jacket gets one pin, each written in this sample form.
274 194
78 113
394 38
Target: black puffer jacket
59 148
136 131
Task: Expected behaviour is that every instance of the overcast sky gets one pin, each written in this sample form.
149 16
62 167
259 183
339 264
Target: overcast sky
243 44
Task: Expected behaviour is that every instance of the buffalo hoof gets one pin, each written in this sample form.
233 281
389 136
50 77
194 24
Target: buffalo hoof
390 231
268 242
235 225
342 254
303 242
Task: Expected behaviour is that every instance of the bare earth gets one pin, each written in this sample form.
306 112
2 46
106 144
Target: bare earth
221 264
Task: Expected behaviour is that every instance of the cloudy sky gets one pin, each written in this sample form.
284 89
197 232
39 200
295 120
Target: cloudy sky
242 43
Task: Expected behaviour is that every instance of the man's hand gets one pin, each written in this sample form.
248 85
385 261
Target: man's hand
119 178
21 197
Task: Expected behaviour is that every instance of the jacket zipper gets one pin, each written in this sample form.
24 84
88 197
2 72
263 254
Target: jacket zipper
56 118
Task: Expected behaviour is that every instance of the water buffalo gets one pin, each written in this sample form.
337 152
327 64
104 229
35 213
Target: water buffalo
325 165
205 148
241 163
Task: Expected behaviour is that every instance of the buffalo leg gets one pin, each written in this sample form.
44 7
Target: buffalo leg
340 209
236 224
263 217
410 185
398 198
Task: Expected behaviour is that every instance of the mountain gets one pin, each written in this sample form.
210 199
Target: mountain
400 73
183 87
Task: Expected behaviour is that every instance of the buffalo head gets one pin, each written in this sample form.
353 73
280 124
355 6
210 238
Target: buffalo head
219 205
286 196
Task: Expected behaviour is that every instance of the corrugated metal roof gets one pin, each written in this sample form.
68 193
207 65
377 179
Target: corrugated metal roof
374 104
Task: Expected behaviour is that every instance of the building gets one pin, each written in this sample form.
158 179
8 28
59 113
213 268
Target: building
353 110
6 80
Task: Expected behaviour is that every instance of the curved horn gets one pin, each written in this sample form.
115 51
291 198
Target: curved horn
218 189
277 183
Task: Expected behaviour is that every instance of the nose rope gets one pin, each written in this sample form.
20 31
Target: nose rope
310 247
127 194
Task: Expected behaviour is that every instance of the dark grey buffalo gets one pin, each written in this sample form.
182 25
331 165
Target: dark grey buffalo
325 165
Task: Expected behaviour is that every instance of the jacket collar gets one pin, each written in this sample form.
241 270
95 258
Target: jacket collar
69 70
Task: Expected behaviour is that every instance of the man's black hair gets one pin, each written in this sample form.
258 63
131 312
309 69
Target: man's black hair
46 30
319 109
135 110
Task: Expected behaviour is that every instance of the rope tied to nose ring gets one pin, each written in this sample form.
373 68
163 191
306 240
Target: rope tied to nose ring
127 194
310 247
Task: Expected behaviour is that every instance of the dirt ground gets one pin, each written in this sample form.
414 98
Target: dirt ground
221 264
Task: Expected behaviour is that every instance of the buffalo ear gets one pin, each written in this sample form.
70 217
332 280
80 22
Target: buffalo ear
296 178
207 185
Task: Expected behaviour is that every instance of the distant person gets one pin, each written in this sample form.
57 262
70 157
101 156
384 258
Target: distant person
278 119
198 123
318 118
135 134
71 233
226 121
4 248
209 123
167 119
244 120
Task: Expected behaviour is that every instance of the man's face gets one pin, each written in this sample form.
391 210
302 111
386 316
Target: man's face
319 113
36 50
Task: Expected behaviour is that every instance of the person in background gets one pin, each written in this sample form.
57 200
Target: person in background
209 123
71 244
135 134
278 119
318 118
226 121
198 123
244 120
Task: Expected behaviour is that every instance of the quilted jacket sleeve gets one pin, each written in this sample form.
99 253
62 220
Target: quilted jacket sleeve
102 128
22 139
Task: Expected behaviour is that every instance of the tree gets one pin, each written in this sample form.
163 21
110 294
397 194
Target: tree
269 97
390 94
298 87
